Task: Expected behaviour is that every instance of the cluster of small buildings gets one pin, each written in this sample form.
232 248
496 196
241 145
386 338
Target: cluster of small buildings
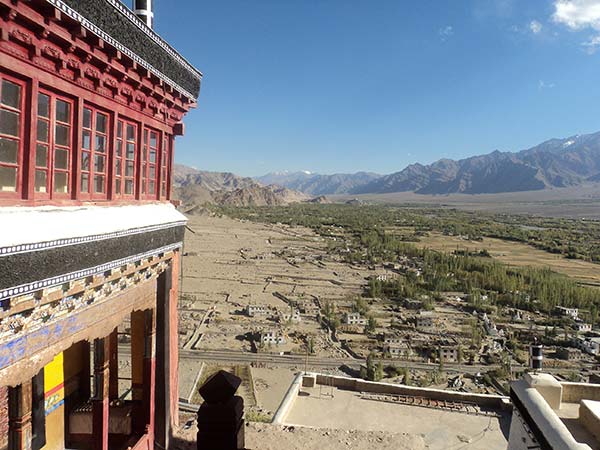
354 318
281 315
590 345
405 347
272 337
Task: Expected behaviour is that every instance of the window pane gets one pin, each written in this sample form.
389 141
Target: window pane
152 156
130 151
129 169
120 129
11 94
144 171
85 182
119 148
118 166
99 164
8 179
61 180
163 191
144 153
9 122
61 159
9 150
151 188
87 118
100 144
62 135
86 140
41 156
118 186
40 181
99 184
63 111
152 173
129 187
42 131
101 123
145 137
130 133
43 105
153 139
85 161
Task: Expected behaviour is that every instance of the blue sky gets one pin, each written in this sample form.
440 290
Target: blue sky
347 85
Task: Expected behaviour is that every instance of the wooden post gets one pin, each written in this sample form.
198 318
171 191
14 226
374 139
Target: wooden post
149 396
19 417
163 357
86 376
113 391
100 403
137 355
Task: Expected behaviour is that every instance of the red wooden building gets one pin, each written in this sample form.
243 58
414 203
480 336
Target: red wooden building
91 100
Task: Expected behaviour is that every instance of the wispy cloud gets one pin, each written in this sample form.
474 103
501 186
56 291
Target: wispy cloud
485 9
535 27
545 85
592 44
580 15
446 33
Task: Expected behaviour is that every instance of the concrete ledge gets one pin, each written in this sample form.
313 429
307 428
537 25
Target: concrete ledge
545 418
288 401
547 386
589 416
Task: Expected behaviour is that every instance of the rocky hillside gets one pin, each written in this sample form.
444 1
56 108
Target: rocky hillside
196 187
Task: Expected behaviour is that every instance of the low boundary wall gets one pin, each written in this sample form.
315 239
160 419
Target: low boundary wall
496 402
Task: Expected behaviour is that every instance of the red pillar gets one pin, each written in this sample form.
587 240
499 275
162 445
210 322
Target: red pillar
100 401
19 421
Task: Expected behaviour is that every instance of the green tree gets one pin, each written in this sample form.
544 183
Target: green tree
379 372
371 325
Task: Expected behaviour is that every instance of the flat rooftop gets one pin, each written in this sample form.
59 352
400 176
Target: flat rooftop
333 408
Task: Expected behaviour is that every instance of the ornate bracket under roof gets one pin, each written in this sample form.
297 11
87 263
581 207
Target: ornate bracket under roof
117 25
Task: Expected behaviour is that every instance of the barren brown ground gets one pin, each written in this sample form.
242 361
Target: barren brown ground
517 254
578 201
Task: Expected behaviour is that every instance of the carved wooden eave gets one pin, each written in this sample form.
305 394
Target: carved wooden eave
62 42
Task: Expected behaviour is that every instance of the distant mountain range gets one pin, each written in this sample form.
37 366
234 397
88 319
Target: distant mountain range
553 164
317 185
197 187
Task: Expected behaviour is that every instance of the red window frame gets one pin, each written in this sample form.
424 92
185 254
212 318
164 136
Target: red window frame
11 109
55 129
95 151
125 159
165 163
150 161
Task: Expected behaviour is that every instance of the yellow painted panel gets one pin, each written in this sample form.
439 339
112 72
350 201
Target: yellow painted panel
54 373
54 393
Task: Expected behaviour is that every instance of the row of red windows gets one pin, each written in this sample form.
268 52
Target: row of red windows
131 162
